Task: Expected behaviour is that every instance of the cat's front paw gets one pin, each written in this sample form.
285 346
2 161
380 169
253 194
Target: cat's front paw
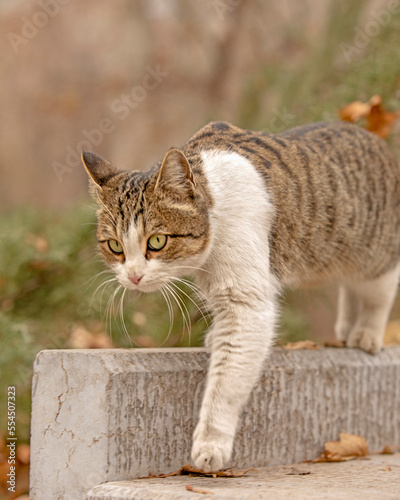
366 339
210 456
211 450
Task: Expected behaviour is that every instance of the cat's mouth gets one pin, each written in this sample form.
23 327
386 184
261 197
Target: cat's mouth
142 286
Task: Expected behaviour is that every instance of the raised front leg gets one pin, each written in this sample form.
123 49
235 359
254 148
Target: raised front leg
239 340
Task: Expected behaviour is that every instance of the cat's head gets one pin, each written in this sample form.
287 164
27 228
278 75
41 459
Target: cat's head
152 226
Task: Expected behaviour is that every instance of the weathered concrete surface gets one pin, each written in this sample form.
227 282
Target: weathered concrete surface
375 478
109 415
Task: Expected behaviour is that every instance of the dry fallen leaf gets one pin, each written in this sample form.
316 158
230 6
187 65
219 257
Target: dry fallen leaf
199 490
354 111
334 343
392 333
189 470
302 344
378 120
389 450
348 448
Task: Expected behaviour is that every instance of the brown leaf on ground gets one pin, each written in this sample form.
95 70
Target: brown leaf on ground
189 470
348 448
392 333
389 450
377 119
302 344
81 338
199 490
334 343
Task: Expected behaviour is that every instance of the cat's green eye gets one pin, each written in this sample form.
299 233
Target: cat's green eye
157 242
115 246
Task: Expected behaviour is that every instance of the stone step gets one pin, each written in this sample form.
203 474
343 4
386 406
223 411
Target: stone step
375 478
111 415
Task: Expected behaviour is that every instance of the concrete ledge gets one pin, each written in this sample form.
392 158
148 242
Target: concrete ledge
375 478
111 415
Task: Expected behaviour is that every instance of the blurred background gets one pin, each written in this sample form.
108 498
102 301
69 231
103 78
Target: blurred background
128 80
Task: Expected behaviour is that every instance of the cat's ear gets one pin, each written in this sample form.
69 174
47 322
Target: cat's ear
100 171
175 173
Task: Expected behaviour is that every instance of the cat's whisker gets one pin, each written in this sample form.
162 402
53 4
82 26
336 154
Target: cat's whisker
99 258
204 306
104 289
96 276
110 220
104 284
190 298
121 312
105 315
182 306
170 312
113 221
196 289
193 267
110 304
93 207
89 224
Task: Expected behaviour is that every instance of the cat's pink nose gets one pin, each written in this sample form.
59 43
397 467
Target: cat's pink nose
135 279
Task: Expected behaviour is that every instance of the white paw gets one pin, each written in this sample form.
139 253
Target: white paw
209 457
366 339
210 451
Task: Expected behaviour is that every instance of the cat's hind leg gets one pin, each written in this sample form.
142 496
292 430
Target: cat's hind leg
348 311
376 299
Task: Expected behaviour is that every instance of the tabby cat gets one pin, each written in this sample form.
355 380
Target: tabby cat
249 213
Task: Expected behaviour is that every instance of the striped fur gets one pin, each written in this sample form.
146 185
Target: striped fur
249 213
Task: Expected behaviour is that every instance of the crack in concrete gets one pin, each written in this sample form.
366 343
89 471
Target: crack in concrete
60 403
